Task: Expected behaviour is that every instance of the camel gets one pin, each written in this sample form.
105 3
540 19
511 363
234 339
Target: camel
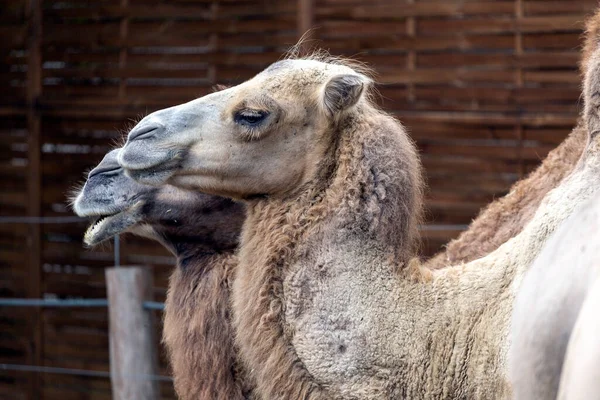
554 321
505 217
327 302
202 232
193 378
187 370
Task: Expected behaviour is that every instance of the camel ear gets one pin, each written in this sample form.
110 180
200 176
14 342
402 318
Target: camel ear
342 92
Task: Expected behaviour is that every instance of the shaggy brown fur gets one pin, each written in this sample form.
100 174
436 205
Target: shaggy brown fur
506 217
198 332
197 328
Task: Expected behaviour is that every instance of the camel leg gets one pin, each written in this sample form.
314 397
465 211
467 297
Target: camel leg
580 379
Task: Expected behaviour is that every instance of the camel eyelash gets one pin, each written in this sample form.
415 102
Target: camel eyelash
250 117
251 120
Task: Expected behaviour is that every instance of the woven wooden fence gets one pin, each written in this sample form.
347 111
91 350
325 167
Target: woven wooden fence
486 88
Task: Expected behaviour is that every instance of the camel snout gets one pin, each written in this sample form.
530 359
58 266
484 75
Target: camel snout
147 163
143 151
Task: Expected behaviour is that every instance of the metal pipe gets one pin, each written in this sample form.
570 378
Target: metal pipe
10 302
79 372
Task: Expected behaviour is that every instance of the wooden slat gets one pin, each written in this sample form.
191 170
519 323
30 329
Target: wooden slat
486 89
34 89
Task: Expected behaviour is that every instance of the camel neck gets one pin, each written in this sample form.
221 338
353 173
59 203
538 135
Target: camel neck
191 258
193 251
370 198
198 332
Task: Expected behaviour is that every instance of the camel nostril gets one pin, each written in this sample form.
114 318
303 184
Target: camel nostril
108 170
141 132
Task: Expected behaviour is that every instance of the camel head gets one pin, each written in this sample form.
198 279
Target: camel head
264 137
182 221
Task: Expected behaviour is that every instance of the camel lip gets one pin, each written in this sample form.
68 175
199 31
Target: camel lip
104 227
154 176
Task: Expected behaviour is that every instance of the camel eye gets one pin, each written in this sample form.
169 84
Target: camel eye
250 118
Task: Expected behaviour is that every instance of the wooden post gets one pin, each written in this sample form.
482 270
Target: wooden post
34 209
133 358
123 32
305 16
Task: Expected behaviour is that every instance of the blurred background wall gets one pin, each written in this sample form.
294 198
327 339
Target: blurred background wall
486 88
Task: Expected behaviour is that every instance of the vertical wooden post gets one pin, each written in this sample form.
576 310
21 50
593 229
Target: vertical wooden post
520 135
411 57
34 90
133 358
123 33
305 16
213 44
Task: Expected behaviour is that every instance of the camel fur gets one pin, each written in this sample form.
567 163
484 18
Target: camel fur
580 378
555 324
202 232
326 301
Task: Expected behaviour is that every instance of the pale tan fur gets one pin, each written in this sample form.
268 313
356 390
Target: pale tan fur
555 328
325 300
580 378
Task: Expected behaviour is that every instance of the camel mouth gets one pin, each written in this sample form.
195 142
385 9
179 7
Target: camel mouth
154 176
104 227
149 166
